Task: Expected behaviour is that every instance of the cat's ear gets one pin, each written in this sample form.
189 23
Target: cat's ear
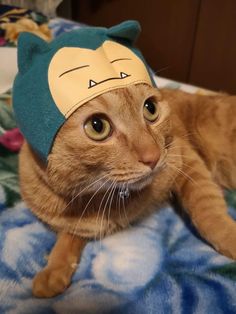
29 45
128 30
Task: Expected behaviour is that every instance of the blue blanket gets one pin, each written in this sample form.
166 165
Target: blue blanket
158 265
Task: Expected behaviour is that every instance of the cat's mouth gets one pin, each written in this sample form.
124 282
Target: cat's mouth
119 182
136 183
143 180
140 182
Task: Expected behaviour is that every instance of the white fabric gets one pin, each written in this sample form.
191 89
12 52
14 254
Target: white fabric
8 67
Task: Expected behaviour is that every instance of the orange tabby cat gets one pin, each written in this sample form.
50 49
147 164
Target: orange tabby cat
119 157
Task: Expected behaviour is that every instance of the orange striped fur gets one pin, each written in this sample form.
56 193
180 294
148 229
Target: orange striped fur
77 192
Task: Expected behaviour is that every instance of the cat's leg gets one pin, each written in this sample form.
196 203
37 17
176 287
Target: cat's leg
62 263
204 201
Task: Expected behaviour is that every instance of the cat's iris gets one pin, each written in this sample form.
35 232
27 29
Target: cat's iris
150 111
97 128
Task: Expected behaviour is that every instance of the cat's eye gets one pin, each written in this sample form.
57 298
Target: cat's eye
150 111
97 128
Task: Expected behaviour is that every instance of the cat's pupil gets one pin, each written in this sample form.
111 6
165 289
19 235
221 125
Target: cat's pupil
97 125
150 107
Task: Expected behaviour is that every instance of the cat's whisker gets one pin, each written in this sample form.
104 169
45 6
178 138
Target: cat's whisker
104 210
188 134
119 202
130 191
178 147
122 198
182 162
184 174
100 206
139 193
80 192
112 196
91 198
109 195
186 165
97 216
123 203
178 155
172 146
117 195
163 69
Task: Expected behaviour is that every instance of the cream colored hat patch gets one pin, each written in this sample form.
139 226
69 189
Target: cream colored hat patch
77 75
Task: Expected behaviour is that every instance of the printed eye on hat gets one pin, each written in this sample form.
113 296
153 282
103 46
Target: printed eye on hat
56 78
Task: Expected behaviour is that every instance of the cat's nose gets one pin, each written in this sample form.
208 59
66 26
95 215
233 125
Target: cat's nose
150 158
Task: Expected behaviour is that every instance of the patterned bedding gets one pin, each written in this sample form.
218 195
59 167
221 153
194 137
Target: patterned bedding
158 265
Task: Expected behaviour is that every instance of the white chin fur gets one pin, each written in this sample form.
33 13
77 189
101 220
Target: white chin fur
139 185
132 185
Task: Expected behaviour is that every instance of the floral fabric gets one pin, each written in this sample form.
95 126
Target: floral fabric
16 20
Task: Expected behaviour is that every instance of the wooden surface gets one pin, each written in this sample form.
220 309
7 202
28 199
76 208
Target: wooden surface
168 28
192 41
214 57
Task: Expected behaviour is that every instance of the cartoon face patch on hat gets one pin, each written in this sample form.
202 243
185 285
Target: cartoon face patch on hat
76 75
57 78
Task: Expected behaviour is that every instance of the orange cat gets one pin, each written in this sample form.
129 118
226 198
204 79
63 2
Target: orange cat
118 158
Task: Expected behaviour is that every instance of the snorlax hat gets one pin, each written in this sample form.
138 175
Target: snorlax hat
56 78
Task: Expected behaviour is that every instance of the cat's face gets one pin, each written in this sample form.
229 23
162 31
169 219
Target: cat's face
118 138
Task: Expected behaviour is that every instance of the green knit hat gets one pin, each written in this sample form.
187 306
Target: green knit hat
56 78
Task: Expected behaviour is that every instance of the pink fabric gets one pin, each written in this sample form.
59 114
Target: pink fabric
12 140
2 41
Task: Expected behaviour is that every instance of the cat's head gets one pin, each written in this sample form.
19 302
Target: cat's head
56 78
118 139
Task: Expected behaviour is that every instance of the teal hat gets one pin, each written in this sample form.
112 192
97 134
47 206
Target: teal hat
39 100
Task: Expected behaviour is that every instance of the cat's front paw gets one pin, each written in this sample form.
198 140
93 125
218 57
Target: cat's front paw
227 248
223 240
51 282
